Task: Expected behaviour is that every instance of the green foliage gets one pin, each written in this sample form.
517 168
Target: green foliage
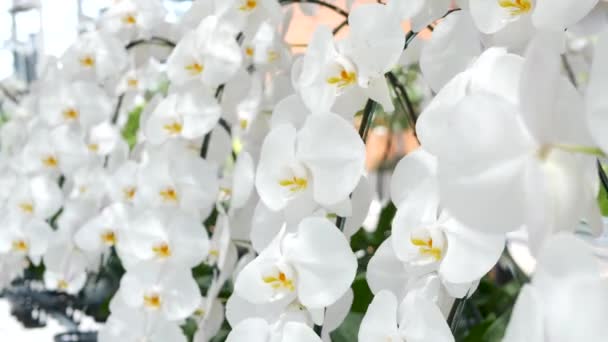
487 312
349 329
129 132
602 199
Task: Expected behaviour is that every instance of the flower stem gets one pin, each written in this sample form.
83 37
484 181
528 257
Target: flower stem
366 120
153 41
590 150
456 313
603 176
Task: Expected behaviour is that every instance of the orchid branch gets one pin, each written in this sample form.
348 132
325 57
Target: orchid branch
154 41
456 313
603 176
402 96
411 35
117 108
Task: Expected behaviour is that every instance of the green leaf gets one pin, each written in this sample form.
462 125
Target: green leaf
349 329
602 199
362 294
129 132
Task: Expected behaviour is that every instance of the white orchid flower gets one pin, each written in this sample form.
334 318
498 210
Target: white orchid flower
122 183
597 119
266 49
83 104
247 15
454 45
133 19
426 238
493 15
178 181
566 280
420 12
210 317
135 325
209 54
24 237
60 150
95 56
37 196
88 183
103 139
320 164
294 267
258 330
528 141
170 291
342 76
167 237
416 319
189 114
103 231
65 264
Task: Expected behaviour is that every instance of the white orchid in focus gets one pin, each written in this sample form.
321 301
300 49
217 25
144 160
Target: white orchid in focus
416 319
319 164
341 76
294 266
208 54
566 280
507 158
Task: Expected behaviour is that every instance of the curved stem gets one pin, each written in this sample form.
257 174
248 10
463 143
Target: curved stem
401 92
456 313
411 35
153 40
603 176
318 2
8 94
366 120
340 27
569 70
117 108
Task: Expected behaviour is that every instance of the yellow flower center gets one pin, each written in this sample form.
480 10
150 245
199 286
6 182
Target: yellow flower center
249 51
129 19
93 147
195 68
87 61
108 238
132 82
214 252
62 284
425 246
280 282
294 184
243 123
169 195
272 56
248 5
344 79
516 7
152 301
27 207
162 250
20 246
70 114
173 128
50 161
129 192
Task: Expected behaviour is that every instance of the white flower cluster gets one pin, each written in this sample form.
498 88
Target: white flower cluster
235 127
